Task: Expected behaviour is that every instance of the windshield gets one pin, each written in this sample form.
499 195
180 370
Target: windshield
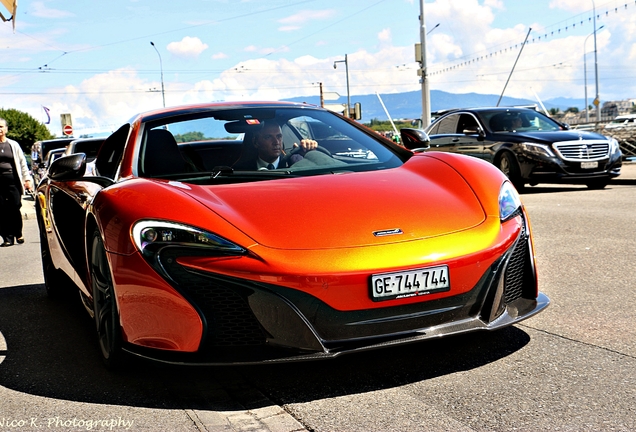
247 144
518 120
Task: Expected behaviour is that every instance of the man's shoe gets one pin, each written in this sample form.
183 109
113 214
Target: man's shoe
6 243
20 240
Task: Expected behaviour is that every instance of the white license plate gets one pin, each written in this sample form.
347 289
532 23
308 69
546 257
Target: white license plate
589 165
410 283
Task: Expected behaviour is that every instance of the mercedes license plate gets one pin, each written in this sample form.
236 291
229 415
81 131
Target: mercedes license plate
409 283
589 165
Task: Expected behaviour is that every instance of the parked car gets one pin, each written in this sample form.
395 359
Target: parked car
90 147
528 146
51 156
182 257
627 121
40 152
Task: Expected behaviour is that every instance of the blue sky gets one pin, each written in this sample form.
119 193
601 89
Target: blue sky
94 58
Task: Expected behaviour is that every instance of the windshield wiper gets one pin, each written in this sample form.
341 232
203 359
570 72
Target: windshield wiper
221 170
226 171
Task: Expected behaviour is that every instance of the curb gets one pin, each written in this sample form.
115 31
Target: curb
28 207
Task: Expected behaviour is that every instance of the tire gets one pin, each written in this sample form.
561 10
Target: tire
597 184
508 165
104 305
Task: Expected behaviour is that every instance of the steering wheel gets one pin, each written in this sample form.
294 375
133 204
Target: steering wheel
298 149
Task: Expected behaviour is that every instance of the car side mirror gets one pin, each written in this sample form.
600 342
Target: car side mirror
68 167
73 168
475 131
415 139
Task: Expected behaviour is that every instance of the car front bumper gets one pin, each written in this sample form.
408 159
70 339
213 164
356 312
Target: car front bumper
248 321
539 169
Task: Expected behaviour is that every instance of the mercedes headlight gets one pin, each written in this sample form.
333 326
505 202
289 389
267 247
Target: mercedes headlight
613 146
509 202
537 149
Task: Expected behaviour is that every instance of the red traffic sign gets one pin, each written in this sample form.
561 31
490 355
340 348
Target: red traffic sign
68 130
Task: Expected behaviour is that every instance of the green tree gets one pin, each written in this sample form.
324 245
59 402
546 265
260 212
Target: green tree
24 129
554 111
189 136
573 110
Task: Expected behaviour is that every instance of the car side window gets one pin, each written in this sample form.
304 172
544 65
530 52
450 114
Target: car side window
448 125
466 122
111 152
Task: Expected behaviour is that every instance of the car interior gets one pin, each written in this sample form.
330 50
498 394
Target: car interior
223 142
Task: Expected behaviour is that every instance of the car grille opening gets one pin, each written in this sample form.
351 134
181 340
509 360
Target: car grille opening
576 151
515 270
230 321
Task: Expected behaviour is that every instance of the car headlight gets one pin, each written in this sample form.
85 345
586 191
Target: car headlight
538 149
613 146
150 236
509 202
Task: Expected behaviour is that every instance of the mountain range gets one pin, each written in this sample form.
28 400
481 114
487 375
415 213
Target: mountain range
408 105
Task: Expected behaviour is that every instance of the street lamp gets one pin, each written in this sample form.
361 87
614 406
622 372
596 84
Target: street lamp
163 94
587 111
597 100
426 94
346 62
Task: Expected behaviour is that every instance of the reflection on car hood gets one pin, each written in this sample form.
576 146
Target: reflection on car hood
423 198
548 137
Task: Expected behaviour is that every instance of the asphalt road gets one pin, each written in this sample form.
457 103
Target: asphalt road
570 368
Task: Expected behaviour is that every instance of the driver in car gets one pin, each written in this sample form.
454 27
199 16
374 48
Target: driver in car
268 142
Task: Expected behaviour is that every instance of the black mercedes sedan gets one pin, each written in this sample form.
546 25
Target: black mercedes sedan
529 147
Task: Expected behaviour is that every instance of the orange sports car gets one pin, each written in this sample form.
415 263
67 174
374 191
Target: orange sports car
264 232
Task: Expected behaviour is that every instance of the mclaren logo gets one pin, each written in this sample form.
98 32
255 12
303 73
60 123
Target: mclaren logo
387 232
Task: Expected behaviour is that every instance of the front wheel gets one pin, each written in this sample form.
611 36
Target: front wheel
105 305
597 184
509 166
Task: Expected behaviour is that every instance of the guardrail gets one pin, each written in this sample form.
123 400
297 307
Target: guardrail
626 138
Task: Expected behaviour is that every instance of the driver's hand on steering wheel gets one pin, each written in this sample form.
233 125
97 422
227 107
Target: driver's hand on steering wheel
307 145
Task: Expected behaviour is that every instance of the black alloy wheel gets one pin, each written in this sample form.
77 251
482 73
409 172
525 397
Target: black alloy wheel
509 166
104 305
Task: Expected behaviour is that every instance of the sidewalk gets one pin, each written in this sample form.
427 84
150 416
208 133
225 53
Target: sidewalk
28 207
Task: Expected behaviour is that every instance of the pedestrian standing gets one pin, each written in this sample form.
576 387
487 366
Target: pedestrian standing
14 180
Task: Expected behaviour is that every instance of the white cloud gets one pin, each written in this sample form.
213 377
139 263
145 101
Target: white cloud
552 67
385 35
305 16
100 103
571 5
40 10
188 47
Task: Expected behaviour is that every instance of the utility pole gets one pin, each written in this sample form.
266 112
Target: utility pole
587 111
597 101
426 96
346 62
